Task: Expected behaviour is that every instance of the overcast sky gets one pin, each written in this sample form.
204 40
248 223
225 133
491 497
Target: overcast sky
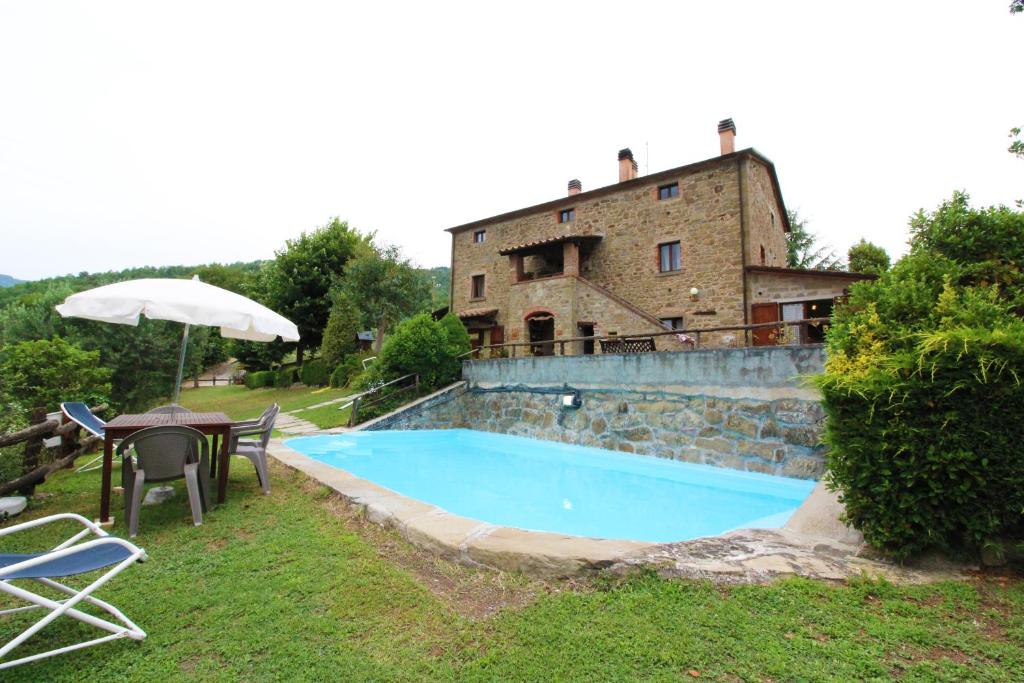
143 133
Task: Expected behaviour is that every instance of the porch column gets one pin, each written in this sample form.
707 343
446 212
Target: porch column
515 267
570 258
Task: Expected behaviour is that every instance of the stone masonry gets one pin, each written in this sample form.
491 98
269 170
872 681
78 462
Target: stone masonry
744 409
723 204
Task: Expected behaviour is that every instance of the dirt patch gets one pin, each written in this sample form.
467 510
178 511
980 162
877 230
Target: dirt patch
476 593
217 544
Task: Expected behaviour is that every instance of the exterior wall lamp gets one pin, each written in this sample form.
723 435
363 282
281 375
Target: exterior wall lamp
694 293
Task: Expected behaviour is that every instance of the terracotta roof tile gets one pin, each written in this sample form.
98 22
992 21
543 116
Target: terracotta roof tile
505 251
476 312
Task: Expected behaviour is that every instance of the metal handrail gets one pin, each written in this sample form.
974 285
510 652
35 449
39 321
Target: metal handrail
357 401
694 333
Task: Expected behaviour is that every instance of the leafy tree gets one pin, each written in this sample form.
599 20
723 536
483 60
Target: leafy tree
230 277
922 387
1016 6
340 334
802 250
386 288
304 272
865 257
45 372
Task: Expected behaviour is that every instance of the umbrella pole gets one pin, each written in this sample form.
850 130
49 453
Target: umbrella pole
181 364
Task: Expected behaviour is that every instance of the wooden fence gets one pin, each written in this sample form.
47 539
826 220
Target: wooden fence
43 428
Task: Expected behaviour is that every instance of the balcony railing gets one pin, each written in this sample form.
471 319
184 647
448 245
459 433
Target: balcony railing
780 333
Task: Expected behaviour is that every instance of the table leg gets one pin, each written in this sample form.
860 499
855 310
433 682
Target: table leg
108 463
213 460
222 475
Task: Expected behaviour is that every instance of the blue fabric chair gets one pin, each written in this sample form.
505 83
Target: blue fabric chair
80 414
67 559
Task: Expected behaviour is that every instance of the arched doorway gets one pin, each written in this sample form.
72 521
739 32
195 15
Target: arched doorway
540 326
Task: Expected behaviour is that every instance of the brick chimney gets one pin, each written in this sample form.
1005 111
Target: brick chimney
627 167
727 136
575 187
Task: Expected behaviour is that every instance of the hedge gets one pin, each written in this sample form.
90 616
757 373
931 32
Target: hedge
314 373
285 378
926 447
258 380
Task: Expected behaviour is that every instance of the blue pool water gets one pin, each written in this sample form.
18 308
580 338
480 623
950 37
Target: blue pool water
548 486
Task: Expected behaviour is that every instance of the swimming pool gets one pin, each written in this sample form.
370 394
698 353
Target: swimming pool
547 486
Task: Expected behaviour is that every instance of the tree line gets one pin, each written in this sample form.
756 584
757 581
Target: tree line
45 358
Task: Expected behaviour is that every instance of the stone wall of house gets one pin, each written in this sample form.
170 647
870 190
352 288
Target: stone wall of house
763 216
705 218
745 409
781 287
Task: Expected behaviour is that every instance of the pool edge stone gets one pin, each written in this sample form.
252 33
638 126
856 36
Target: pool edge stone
742 556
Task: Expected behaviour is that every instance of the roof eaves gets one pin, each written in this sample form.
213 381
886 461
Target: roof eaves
625 185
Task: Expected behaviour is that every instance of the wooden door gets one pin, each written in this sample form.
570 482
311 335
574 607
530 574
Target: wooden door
765 313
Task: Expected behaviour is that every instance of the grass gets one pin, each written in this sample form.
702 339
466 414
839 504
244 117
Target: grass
241 403
295 586
327 416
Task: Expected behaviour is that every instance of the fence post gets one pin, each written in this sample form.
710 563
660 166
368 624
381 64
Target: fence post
354 416
68 440
30 458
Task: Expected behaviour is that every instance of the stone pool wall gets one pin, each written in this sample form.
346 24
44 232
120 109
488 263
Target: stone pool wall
747 409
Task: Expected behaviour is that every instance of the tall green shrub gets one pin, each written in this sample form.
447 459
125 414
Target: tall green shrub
346 370
340 334
458 344
923 388
418 345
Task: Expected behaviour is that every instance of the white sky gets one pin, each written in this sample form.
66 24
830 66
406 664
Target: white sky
142 133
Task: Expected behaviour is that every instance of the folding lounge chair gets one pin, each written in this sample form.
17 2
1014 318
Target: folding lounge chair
80 414
68 559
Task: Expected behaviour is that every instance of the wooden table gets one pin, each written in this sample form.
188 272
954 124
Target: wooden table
215 424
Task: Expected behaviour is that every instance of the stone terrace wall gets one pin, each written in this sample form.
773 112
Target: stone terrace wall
740 408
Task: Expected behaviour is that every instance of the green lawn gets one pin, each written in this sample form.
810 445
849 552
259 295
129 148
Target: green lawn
294 586
241 403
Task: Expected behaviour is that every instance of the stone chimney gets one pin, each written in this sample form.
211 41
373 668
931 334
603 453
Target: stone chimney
727 136
575 187
627 167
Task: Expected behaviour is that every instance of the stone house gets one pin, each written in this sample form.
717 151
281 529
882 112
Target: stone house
694 247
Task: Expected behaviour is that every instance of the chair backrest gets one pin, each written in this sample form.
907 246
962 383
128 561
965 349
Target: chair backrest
267 424
639 345
80 414
612 346
171 409
163 452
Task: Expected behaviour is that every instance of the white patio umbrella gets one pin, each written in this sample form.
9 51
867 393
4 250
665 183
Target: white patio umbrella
185 301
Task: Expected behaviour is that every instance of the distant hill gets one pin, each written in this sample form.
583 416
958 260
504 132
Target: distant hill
228 276
8 281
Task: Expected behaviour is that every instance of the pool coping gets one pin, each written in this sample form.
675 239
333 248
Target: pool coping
814 543
465 540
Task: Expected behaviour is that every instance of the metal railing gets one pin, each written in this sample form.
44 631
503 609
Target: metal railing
358 401
690 337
